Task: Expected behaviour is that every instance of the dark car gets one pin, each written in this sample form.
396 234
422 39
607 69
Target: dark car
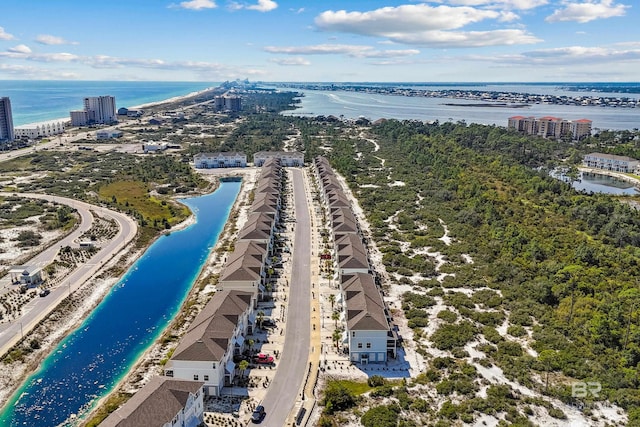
258 414
44 292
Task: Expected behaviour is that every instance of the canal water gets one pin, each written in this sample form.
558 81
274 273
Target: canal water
95 357
597 183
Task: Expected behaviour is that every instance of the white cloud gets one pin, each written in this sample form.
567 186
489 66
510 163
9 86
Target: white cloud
264 6
297 11
4 35
569 56
455 39
197 4
504 4
425 25
588 11
354 51
52 40
291 61
204 69
21 48
406 19
261 6
36 73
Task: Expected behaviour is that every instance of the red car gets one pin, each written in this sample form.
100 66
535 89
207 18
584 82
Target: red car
263 358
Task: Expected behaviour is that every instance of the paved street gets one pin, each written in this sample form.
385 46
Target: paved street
38 308
293 364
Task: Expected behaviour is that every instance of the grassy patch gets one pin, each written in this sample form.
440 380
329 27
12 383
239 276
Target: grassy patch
113 402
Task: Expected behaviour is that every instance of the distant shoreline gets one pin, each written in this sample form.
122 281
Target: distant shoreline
488 104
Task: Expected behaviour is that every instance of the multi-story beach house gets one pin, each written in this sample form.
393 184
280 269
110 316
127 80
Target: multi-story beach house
205 352
611 162
97 110
220 160
162 402
369 333
6 120
287 158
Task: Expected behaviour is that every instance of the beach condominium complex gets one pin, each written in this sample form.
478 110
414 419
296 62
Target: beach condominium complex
6 121
551 127
97 110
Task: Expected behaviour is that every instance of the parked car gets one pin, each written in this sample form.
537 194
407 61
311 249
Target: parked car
268 323
44 292
263 359
258 414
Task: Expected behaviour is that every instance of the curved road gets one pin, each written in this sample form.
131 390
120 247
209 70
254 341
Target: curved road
38 308
285 388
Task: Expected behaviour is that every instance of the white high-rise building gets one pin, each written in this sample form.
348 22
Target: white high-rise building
97 110
6 120
101 109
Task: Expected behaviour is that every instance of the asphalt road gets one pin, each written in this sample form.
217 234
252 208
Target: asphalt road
38 308
293 364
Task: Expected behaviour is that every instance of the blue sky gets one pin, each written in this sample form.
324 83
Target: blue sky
328 40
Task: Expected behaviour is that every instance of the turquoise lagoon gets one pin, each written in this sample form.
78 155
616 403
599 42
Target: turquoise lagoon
89 362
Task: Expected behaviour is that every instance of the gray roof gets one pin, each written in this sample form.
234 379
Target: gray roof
207 339
155 404
365 307
351 252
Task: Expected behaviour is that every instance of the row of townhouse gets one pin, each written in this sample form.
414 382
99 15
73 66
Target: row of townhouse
226 159
611 162
285 158
41 129
203 362
370 335
206 351
231 159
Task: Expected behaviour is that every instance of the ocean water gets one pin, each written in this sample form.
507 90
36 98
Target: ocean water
39 100
90 361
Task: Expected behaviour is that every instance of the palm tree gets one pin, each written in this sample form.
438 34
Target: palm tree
260 318
337 336
335 316
250 344
332 300
243 365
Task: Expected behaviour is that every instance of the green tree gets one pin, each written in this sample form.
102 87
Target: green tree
243 365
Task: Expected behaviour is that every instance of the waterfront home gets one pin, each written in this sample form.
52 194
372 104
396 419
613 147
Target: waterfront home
229 159
162 402
41 129
205 352
287 158
370 337
611 162
245 269
260 227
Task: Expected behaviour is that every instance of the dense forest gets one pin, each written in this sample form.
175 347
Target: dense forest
561 266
